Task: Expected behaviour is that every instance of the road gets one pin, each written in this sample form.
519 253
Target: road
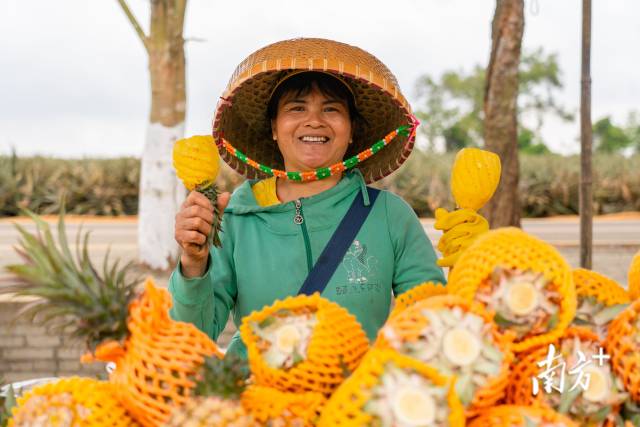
615 241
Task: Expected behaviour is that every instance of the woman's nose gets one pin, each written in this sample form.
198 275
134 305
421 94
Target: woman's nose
314 118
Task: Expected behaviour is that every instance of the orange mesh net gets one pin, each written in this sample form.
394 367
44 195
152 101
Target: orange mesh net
346 405
420 292
592 284
156 369
81 401
409 325
336 346
634 277
517 416
623 345
511 248
267 404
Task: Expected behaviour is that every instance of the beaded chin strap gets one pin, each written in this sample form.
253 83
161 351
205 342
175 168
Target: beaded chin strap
322 173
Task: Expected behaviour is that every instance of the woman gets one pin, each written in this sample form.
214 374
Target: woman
300 110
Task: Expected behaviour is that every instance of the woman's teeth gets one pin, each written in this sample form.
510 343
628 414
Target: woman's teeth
314 139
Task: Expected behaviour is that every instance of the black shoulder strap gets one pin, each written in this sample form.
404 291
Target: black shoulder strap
342 238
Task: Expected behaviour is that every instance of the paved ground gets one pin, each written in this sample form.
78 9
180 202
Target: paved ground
615 240
615 243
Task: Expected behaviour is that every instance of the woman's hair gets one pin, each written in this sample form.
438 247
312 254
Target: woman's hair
303 83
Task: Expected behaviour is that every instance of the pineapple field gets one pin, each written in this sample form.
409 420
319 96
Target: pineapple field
549 184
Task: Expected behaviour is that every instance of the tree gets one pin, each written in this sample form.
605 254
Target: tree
500 109
452 106
609 138
160 192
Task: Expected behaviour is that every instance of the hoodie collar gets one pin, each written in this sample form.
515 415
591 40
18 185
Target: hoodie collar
243 200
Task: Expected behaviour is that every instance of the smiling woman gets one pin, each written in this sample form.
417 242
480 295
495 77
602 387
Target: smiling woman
315 120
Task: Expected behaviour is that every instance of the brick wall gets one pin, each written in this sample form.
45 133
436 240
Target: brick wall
28 351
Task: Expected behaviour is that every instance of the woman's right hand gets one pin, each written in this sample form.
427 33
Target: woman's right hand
192 226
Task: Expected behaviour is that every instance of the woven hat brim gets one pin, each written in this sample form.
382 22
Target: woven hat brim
241 115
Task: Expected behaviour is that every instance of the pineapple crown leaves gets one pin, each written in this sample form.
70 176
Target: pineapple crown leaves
73 296
225 378
7 401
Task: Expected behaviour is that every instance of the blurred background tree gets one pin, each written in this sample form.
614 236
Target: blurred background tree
451 106
613 139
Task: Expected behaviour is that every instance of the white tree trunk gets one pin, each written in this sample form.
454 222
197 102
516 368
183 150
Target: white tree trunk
161 194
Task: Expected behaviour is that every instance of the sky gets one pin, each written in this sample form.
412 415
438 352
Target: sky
75 81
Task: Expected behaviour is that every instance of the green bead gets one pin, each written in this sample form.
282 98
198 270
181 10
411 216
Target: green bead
403 130
266 169
351 162
323 173
377 147
240 155
294 176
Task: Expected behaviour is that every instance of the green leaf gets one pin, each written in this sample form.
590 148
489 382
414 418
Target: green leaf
567 399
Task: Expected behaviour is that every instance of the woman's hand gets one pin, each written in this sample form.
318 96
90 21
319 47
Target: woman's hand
192 226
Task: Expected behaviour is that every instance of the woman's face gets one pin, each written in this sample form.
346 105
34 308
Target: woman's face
312 131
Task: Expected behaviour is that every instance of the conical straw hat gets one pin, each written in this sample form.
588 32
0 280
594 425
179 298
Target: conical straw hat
241 115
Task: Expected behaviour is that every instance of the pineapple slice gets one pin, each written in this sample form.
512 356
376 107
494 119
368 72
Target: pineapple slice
523 280
285 337
303 343
459 340
524 301
389 389
211 412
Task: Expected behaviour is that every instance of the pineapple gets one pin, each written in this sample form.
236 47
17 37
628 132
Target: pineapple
475 175
156 358
303 343
523 281
591 395
70 402
520 416
220 384
459 339
600 300
389 389
197 163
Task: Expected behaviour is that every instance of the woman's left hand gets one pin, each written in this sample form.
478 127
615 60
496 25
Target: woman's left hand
460 228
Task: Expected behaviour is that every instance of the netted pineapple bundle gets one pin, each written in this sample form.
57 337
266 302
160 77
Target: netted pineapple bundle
523 281
458 338
574 378
389 389
634 277
303 343
520 416
418 293
600 300
73 401
273 407
155 357
623 345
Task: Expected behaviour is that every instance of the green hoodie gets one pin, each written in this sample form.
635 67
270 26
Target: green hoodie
265 256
